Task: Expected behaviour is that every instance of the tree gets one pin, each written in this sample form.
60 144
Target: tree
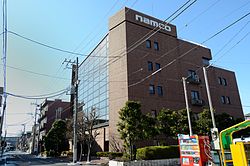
56 140
204 122
130 126
149 129
224 121
90 120
134 126
181 123
81 128
165 121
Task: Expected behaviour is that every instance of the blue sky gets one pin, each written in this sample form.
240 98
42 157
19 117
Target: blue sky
78 25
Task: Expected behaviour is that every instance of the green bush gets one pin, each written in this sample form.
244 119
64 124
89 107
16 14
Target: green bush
52 153
157 152
111 155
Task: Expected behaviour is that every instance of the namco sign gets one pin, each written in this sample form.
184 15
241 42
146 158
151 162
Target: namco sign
152 23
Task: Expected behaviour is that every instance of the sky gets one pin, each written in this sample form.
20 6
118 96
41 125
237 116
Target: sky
79 25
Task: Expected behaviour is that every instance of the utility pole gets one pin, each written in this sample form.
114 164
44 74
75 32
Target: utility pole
4 65
38 139
187 106
34 129
75 92
214 130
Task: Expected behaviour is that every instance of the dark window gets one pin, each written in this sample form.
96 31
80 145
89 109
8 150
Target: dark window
151 89
157 66
150 66
205 61
191 73
148 44
223 99
228 100
195 95
156 46
220 80
153 113
159 90
224 82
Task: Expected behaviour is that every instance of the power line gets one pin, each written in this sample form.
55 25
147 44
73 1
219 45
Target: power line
37 97
45 45
230 49
36 73
204 11
182 55
145 37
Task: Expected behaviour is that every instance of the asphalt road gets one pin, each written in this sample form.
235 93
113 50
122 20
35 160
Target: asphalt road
17 158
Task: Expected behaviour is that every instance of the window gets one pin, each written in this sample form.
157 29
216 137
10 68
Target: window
159 90
195 95
148 43
220 80
151 89
150 66
191 73
228 100
153 113
157 66
156 46
223 99
224 82
205 61
59 113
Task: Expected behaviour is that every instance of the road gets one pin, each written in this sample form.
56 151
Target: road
17 158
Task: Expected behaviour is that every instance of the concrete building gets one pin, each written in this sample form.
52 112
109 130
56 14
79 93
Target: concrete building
131 64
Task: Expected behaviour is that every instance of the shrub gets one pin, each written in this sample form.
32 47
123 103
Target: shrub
52 153
111 155
157 152
69 154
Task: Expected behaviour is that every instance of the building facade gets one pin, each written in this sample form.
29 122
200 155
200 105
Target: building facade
142 59
50 111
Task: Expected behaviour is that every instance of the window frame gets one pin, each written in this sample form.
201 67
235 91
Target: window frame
151 91
160 90
148 43
196 95
223 99
156 46
157 66
150 66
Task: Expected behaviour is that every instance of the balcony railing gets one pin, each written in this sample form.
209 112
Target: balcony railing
194 79
197 102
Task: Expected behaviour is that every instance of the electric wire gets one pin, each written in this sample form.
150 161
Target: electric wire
182 55
36 97
232 38
35 73
143 39
45 45
220 57
195 18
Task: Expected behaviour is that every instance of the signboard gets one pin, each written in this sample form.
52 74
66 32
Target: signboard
153 23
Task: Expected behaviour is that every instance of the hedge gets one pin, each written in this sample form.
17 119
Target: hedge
157 152
111 155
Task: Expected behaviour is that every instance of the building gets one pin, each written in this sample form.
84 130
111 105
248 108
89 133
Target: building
23 142
124 67
247 116
50 111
